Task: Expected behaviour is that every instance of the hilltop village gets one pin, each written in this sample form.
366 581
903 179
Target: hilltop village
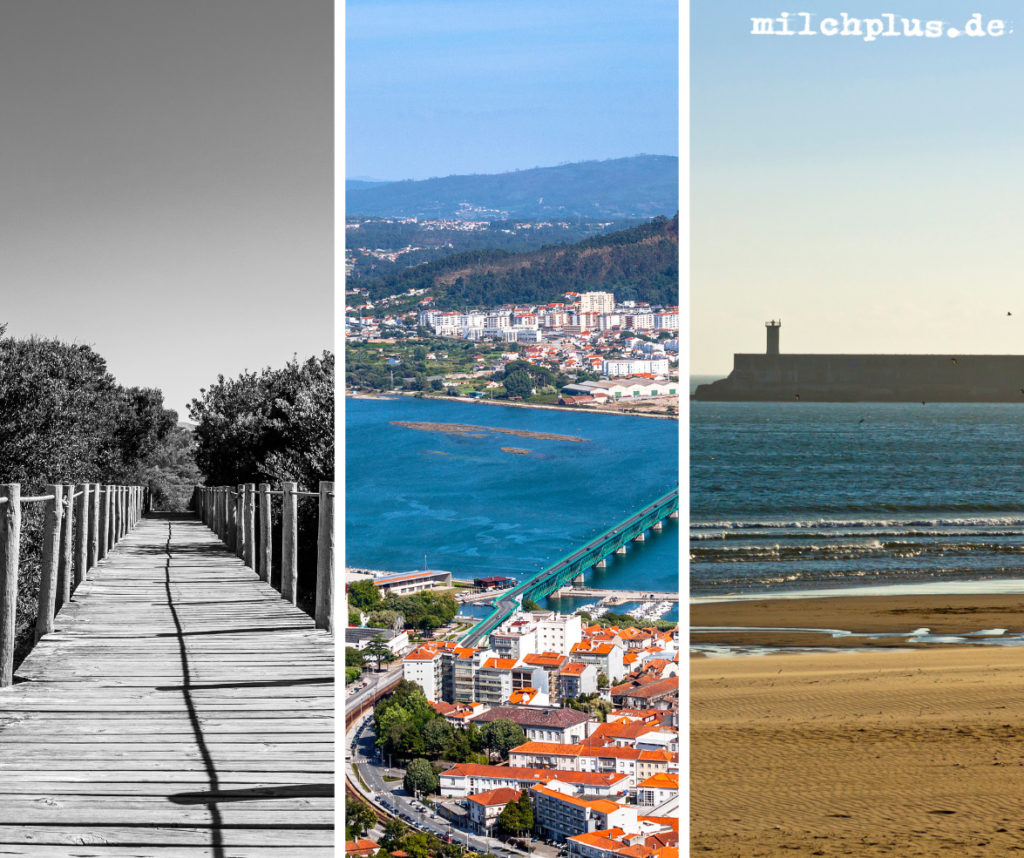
556 735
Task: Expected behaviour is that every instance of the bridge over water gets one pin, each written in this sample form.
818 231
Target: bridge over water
572 566
178 705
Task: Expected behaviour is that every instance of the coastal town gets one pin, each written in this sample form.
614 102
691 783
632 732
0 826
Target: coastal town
555 735
587 350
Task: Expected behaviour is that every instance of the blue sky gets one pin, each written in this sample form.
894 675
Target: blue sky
866 192
464 86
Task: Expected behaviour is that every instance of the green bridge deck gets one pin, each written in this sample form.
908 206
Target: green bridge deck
575 563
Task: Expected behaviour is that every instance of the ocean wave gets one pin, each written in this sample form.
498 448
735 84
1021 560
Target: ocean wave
898 549
858 523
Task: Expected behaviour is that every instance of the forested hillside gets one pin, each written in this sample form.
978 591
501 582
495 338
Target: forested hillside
640 263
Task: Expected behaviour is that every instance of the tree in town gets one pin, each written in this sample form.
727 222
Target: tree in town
525 811
437 736
509 820
602 680
405 740
378 650
502 735
384 718
530 605
420 778
363 595
359 816
394 830
519 384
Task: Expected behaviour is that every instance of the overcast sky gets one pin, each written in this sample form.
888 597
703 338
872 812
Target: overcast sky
166 171
868 193
442 87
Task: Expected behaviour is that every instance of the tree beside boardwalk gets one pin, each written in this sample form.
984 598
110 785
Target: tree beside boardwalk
65 419
272 426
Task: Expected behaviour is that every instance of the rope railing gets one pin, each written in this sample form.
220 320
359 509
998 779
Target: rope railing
241 517
81 524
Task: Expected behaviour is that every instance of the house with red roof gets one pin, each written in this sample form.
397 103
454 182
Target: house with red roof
485 807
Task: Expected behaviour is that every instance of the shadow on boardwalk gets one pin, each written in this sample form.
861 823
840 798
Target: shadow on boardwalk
180 708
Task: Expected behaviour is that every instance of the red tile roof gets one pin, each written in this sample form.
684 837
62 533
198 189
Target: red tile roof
502 795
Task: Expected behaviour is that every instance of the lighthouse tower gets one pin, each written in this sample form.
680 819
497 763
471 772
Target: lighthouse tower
773 336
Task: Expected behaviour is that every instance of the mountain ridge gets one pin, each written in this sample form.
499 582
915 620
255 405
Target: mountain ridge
639 186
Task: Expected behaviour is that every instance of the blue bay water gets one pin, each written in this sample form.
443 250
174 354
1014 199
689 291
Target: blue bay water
794 496
476 510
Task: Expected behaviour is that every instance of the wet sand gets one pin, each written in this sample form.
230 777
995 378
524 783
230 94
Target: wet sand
942 614
896 753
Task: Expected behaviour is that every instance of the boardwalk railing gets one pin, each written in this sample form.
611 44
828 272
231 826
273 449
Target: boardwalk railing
81 524
241 516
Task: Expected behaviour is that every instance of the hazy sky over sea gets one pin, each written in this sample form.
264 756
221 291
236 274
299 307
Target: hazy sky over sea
442 87
166 170
868 193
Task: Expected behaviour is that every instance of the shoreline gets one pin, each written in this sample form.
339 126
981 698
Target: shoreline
543 407
813 621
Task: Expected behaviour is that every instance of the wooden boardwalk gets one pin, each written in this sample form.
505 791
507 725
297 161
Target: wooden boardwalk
180 708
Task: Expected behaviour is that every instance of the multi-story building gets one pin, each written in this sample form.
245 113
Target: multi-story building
551 663
465 666
627 366
469 778
515 637
485 807
424 667
557 632
637 765
558 815
577 678
655 838
544 724
597 302
606 657
494 681
667 320
657 790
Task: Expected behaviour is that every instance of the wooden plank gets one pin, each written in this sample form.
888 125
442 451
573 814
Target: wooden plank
179 706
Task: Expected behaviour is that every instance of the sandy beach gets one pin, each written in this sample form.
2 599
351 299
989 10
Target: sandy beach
899 753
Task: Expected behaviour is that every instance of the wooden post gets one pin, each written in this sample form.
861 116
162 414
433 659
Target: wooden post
115 515
240 520
104 522
65 566
94 526
249 526
266 539
289 540
50 561
10 550
111 495
82 534
324 613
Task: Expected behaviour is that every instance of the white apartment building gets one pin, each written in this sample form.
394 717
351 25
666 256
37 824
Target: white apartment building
640 320
597 302
624 367
558 632
667 320
423 667
525 633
